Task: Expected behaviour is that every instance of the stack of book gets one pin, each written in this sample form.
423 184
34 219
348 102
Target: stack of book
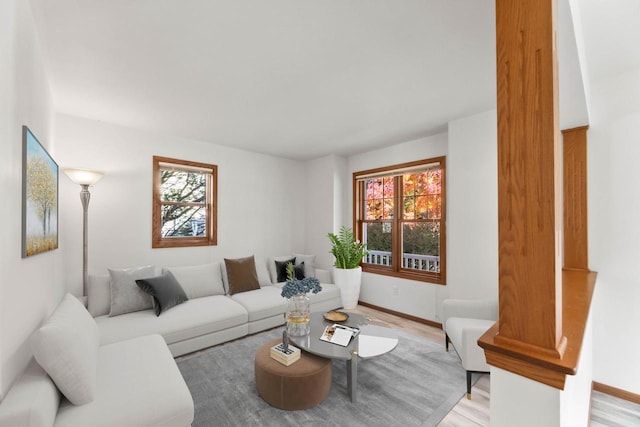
285 357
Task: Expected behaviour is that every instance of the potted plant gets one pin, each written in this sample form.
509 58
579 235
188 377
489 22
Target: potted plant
347 272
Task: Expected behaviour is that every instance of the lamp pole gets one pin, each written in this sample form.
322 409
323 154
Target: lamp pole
84 198
85 178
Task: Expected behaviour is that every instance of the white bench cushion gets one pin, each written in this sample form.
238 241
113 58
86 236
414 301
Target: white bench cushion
193 318
139 385
262 303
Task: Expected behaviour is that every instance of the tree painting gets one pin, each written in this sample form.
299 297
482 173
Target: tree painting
40 198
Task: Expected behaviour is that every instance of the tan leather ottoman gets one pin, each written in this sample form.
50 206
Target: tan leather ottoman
300 385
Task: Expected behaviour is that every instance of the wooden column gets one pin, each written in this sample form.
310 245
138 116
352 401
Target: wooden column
576 254
529 201
543 309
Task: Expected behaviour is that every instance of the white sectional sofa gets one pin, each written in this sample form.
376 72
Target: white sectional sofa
138 383
211 318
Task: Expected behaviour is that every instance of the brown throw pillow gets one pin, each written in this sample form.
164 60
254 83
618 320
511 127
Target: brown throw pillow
241 274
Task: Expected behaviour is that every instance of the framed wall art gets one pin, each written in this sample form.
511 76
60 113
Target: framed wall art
39 197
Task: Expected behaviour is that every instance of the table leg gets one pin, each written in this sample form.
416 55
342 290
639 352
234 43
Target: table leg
352 378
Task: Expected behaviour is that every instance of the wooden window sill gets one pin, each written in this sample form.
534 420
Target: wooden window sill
524 360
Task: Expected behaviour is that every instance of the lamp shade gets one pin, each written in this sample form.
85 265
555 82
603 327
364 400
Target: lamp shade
83 176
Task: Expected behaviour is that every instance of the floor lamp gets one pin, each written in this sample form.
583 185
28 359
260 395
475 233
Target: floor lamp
85 178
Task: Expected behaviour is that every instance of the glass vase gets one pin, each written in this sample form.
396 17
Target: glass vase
298 311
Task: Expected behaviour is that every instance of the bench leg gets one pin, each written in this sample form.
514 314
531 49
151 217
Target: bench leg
469 385
446 342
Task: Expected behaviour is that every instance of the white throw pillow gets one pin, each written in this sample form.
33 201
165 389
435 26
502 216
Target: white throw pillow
199 280
126 296
263 274
309 264
66 346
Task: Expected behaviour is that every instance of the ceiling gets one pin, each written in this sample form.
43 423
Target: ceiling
294 78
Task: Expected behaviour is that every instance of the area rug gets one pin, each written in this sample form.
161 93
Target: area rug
415 385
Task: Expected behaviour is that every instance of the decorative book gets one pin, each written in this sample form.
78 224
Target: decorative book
285 357
339 334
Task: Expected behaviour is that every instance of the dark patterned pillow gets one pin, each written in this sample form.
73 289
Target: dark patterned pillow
281 268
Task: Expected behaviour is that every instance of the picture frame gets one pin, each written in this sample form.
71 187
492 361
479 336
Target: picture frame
40 175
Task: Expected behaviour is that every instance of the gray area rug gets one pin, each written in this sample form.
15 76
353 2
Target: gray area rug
415 385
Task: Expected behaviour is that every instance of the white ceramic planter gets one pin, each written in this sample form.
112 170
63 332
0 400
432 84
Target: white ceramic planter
348 281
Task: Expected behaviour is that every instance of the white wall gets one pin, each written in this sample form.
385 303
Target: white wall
260 199
324 205
31 287
418 299
614 227
472 207
472 217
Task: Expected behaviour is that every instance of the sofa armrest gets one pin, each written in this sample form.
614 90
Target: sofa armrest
32 401
473 358
324 276
468 308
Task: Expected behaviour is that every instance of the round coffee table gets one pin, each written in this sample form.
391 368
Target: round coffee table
372 341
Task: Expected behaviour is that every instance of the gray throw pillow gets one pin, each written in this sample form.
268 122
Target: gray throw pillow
126 296
165 291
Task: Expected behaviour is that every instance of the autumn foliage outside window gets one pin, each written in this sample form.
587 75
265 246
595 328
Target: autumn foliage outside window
184 203
399 213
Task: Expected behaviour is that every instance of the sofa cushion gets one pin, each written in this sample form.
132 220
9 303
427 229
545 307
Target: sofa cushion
126 296
138 384
241 274
281 269
271 264
329 291
309 262
196 317
165 291
262 272
199 280
99 295
66 346
262 303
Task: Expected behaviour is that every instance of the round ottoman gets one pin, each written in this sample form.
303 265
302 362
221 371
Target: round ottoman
301 385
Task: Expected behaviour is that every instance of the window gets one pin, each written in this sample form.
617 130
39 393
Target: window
400 214
184 203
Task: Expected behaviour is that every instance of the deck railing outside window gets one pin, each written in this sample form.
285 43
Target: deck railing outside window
410 261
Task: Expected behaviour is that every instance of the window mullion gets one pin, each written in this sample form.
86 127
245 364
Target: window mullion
396 239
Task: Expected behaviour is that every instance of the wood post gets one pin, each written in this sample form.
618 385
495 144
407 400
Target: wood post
576 254
543 309
530 296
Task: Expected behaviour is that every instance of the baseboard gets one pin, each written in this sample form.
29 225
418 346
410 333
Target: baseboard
616 392
403 315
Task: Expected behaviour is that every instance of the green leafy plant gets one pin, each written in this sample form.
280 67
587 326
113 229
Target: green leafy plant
346 249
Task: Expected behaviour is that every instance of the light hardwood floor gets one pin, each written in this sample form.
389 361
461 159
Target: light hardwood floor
606 411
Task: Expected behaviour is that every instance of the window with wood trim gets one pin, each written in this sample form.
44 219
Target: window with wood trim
399 212
184 203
